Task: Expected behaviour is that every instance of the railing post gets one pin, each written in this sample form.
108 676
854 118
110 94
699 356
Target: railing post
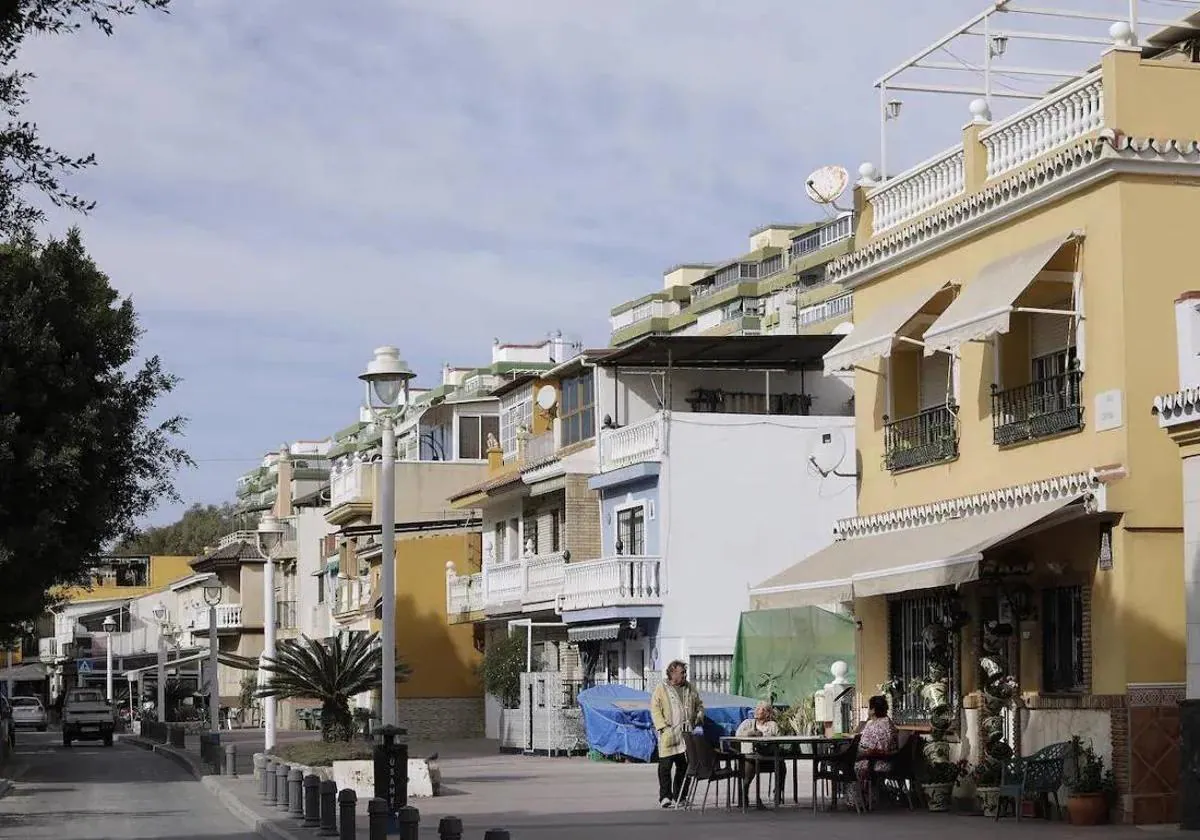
347 800
450 828
281 786
408 823
268 781
231 759
312 801
296 792
377 819
328 793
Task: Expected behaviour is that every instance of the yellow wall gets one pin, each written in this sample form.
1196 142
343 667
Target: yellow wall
164 570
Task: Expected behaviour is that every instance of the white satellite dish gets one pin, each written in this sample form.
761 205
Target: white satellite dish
826 185
547 397
829 450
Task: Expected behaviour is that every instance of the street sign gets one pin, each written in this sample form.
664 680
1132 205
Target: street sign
83 666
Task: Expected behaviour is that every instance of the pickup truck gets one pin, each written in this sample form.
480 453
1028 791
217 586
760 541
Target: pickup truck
87 716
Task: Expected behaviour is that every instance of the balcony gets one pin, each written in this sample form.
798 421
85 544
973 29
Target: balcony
612 582
642 312
464 595
503 583
925 438
543 579
285 615
352 483
229 617
629 445
540 447
841 306
352 595
821 238
534 583
47 649
1046 407
238 536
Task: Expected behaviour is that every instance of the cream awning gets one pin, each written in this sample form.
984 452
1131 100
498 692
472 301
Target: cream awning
984 307
594 633
926 557
876 335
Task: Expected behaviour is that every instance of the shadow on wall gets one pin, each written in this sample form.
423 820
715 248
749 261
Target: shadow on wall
442 656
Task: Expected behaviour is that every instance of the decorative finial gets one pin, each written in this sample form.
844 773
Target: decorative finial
868 175
1122 34
981 114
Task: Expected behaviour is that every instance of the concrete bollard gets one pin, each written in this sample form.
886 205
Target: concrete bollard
231 759
408 822
296 792
347 799
312 801
496 834
450 828
260 763
328 791
268 781
281 786
377 819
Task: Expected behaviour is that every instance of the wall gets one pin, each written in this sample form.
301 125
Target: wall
613 499
313 618
422 488
250 591
582 524
740 502
500 510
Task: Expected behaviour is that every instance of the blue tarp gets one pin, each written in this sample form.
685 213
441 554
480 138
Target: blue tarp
617 719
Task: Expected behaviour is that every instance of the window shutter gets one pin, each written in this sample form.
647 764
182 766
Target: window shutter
1049 334
935 380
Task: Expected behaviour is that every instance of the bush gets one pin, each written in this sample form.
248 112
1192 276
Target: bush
323 753
501 669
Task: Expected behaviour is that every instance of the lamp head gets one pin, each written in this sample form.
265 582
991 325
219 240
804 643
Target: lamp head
270 534
212 593
109 624
386 374
999 45
159 612
893 108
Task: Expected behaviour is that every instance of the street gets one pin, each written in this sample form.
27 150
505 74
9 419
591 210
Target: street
92 792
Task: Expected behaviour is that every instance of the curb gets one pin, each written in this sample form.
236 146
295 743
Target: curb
182 759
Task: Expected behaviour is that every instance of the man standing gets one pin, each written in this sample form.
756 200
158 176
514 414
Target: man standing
675 709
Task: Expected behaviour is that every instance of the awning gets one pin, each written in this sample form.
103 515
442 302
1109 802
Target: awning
985 306
926 557
876 335
594 633
550 485
27 672
171 663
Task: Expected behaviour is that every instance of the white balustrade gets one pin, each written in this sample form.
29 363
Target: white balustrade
1064 116
837 307
824 236
353 482
543 577
918 190
631 444
238 536
503 583
642 312
612 582
464 594
229 617
539 447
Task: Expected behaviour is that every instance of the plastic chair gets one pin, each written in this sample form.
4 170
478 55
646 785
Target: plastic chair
837 768
705 764
901 778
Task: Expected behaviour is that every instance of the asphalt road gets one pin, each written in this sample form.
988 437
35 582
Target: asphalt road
92 792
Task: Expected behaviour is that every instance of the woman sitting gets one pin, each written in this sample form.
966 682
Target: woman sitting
878 740
762 725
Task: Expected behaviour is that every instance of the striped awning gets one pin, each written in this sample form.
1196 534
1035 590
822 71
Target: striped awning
594 633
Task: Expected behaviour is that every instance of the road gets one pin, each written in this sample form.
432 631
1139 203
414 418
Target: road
92 792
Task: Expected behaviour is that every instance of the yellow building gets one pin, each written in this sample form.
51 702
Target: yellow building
1013 320
120 577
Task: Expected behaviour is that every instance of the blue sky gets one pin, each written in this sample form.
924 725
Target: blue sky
285 184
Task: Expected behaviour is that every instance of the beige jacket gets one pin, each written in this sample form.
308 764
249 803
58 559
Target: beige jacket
670 738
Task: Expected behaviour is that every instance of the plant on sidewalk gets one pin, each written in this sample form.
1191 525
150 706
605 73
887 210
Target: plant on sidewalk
501 668
323 753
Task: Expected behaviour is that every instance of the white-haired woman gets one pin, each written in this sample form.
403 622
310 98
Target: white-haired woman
761 725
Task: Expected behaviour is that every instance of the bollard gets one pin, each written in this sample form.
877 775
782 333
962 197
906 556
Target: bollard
377 819
231 759
347 799
408 821
260 763
312 801
268 781
496 834
296 792
450 828
281 786
328 792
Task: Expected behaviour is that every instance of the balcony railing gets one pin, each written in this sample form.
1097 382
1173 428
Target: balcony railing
464 594
285 615
612 582
352 594
229 617
824 236
543 578
634 444
238 536
925 438
539 447
503 582
641 312
1040 409
838 307
918 190
351 483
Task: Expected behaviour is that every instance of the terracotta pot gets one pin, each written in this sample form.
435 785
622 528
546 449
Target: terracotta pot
1087 809
989 800
937 796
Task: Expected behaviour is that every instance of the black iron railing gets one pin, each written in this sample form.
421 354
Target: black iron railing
925 438
1045 407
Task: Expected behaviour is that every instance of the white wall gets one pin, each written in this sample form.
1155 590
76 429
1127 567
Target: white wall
739 502
314 619
501 510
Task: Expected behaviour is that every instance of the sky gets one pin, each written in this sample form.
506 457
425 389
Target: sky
284 185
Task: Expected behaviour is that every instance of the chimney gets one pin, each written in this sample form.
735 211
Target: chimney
495 456
283 501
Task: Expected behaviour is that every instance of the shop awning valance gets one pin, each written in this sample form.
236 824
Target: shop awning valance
875 336
190 659
594 633
928 557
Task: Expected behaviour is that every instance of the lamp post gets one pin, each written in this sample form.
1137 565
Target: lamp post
160 616
386 377
212 597
270 537
109 626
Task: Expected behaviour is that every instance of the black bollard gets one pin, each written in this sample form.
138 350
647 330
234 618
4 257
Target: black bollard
496 834
268 781
408 822
377 819
296 792
347 799
391 768
328 790
312 801
281 786
231 759
450 828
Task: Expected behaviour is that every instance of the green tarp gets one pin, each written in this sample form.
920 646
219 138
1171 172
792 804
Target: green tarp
795 646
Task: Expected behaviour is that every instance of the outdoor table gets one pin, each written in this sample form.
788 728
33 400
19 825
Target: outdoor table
782 747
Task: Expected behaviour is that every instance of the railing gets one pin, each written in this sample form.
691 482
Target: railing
642 312
612 582
238 536
925 438
352 593
543 577
464 594
1064 116
503 582
827 310
285 615
918 190
137 640
229 617
48 649
631 444
571 688
824 236
540 447
1040 409
353 483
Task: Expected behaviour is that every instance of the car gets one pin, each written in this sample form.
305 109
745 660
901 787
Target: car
87 716
6 721
29 713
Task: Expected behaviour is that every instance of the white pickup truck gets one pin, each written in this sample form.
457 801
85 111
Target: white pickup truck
87 716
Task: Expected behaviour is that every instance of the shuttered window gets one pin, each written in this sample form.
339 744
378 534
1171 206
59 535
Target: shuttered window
1050 334
935 380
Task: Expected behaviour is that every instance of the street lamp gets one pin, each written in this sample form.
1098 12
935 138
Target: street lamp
386 377
270 538
160 617
212 597
109 626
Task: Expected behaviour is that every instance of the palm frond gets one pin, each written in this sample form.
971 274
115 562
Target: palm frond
330 670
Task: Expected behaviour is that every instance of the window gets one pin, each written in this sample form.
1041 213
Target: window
529 530
514 545
578 408
498 542
320 589
631 531
472 436
556 530
516 412
710 672
1062 640
908 658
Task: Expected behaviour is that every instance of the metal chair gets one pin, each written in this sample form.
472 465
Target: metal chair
705 764
1041 775
837 769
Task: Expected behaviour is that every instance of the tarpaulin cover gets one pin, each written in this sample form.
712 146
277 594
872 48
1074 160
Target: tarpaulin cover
617 719
794 648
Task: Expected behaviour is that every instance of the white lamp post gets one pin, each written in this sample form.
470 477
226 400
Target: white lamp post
212 597
109 626
160 616
270 537
386 377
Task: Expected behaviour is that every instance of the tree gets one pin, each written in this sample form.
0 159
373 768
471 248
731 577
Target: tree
200 527
503 663
80 459
25 162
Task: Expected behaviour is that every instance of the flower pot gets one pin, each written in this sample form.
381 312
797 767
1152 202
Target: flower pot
989 800
937 796
936 752
1087 809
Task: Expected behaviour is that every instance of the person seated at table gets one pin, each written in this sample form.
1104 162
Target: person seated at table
761 725
878 739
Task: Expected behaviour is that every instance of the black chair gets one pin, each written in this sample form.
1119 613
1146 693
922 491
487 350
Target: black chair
705 764
900 780
837 770
763 760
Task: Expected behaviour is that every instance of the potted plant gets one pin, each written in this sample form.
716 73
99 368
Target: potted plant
986 778
1090 788
998 690
939 780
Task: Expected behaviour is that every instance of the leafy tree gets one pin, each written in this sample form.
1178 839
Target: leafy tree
501 669
200 527
25 162
80 458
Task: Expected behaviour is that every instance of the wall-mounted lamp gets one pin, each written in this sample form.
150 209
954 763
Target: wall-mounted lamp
999 45
892 110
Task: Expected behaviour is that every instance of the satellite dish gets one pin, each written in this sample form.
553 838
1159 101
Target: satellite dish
547 397
826 185
828 450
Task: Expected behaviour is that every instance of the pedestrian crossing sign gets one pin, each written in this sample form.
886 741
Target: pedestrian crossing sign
83 666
